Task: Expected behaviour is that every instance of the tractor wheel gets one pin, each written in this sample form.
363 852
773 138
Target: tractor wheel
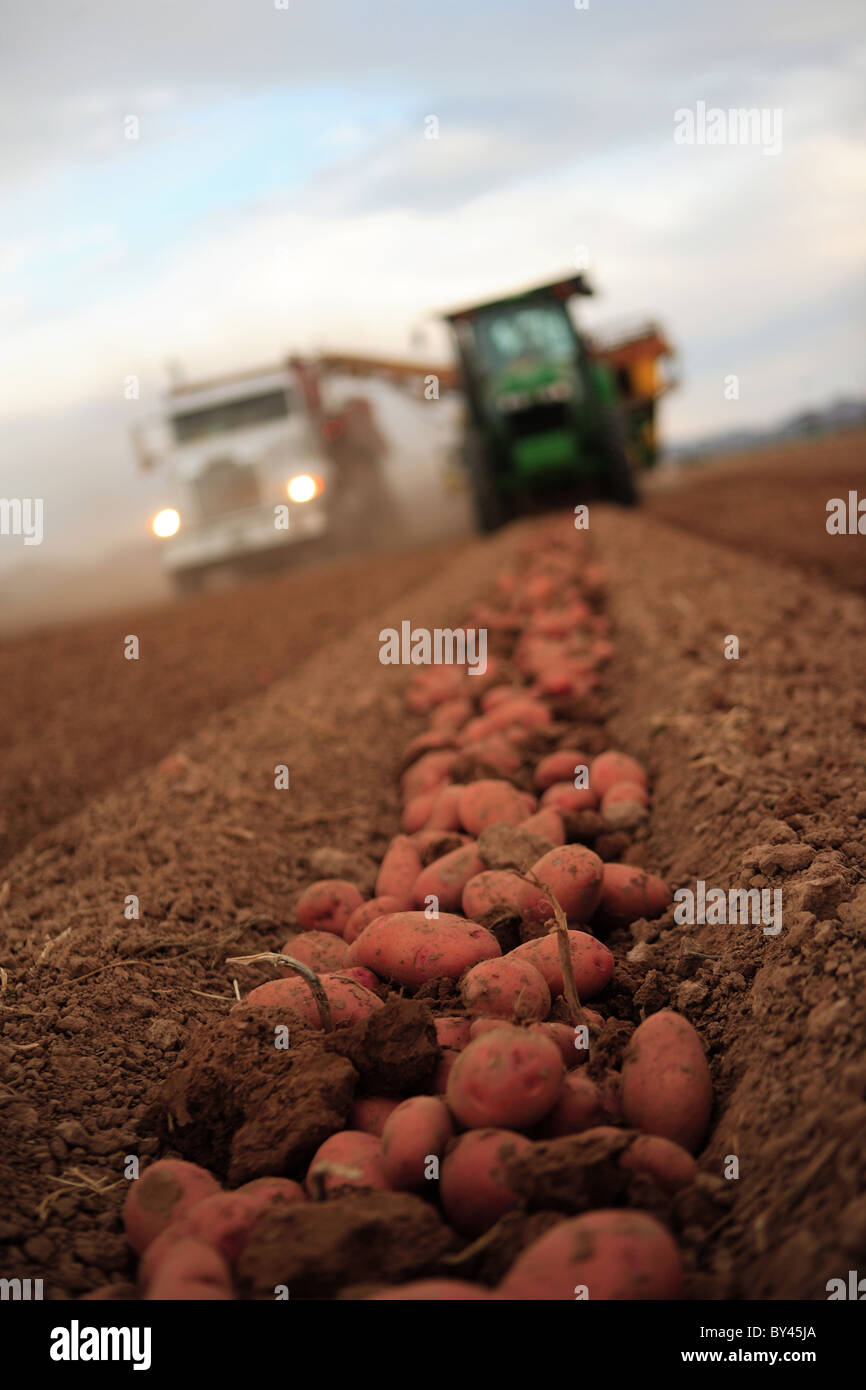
618 484
488 506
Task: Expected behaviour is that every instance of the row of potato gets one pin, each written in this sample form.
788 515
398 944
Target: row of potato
512 1071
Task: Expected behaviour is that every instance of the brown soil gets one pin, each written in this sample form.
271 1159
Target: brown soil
757 766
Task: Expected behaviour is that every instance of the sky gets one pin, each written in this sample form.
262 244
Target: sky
282 194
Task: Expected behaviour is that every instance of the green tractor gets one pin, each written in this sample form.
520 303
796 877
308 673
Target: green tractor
544 418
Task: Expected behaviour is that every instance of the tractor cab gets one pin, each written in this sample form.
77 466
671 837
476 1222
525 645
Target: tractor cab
542 412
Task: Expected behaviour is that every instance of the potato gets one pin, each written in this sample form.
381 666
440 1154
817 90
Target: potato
520 710
565 797
671 1166
565 1038
439 1079
495 892
433 741
363 977
166 1190
327 905
666 1085
488 801
443 813
433 686
416 811
628 892
431 1291
610 1254
574 874
505 1079
547 823
559 767
488 1025
578 1107
223 1221
428 774
191 1270
452 714
415 1132
507 988
624 793
591 962
369 1113
321 950
349 1001
473 1187
367 913
452 1031
496 754
409 949
398 872
612 767
349 1158
446 878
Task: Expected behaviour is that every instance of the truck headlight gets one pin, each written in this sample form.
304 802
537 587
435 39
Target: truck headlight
166 522
304 487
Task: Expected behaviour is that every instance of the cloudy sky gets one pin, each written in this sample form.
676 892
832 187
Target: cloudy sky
281 194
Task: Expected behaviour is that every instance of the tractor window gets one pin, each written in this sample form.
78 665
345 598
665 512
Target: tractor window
536 331
230 415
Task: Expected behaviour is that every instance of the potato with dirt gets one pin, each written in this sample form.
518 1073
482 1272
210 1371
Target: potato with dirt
327 905
666 1085
417 1131
507 1078
473 1186
166 1190
621 1255
509 989
408 948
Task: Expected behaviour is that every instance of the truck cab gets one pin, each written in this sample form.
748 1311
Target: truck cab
246 477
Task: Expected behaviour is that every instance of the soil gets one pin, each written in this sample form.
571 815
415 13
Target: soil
114 1028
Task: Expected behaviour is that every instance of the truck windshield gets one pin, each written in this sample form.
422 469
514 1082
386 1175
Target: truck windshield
540 332
230 415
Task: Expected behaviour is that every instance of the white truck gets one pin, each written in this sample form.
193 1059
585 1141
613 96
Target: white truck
247 478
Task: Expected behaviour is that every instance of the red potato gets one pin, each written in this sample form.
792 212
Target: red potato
523 711
578 1107
446 878
559 767
416 811
610 1254
398 872
433 686
223 1221
367 913
327 905
418 1130
473 1188
191 1271
574 875
434 740
505 1079
565 796
612 767
443 813
431 1291
565 1037
321 950
409 949
625 793
591 962
349 1158
369 1113
427 839
494 753
496 695
494 892
666 1084
427 774
490 1025
509 989
166 1190
349 1001
452 1031
548 823
488 801
669 1164
452 714
628 893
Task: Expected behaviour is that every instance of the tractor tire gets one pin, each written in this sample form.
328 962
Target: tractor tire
489 508
618 479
